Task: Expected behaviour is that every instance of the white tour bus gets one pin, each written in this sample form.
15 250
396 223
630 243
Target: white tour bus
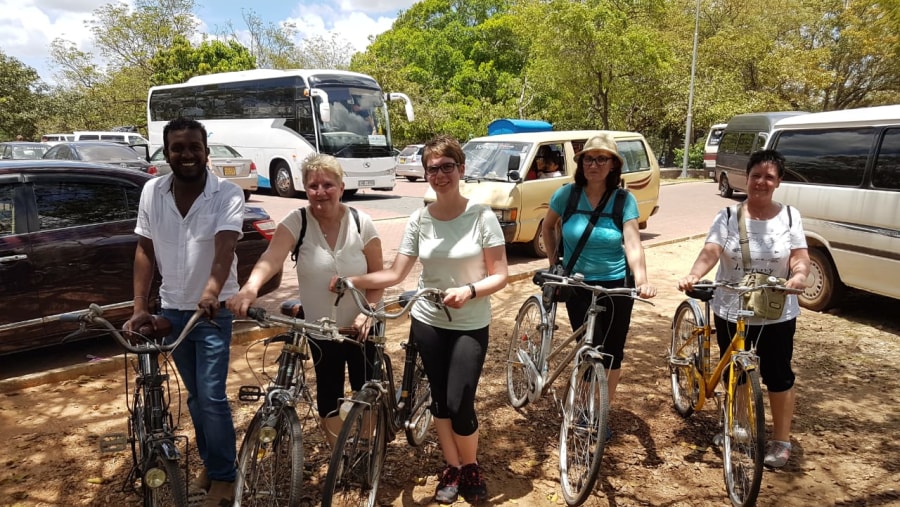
842 172
279 117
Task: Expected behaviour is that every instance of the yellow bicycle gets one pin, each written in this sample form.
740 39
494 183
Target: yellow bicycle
694 380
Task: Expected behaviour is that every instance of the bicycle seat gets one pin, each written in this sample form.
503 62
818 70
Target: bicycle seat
292 308
703 294
155 332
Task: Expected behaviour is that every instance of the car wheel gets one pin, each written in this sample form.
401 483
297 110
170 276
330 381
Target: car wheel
284 182
411 178
825 288
536 246
725 189
350 193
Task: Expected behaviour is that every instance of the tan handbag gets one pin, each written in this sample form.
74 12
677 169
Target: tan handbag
766 303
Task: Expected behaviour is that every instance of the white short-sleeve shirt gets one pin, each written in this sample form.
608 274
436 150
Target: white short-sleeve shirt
317 263
185 246
770 241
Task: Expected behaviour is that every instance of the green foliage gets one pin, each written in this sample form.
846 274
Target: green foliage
21 102
695 156
182 61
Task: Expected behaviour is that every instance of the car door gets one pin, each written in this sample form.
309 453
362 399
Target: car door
20 314
84 243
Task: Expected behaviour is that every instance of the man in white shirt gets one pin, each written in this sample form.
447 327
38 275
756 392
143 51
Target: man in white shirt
188 225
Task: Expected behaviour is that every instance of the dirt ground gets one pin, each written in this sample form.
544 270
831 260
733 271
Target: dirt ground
844 435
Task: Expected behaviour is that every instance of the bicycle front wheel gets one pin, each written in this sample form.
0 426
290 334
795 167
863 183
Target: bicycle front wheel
685 358
583 433
524 351
163 482
744 442
420 417
270 462
358 456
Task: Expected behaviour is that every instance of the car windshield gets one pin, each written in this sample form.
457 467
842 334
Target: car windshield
222 151
490 159
97 152
409 150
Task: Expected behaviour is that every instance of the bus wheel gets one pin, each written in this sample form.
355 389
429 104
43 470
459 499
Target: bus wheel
284 183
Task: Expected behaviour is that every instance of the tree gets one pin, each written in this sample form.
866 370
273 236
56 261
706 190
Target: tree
21 99
182 61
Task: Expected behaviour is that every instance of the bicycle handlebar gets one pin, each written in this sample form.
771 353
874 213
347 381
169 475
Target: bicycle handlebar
94 316
577 280
774 284
433 296
323 329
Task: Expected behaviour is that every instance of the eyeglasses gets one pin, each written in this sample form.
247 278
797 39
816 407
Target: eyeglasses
447 168
589 161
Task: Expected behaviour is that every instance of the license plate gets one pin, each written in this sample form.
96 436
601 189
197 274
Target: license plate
367 183
402 160
229 171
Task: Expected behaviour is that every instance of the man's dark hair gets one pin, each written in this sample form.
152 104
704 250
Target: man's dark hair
763 156
182 124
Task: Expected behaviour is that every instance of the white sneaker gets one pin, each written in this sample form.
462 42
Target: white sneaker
777 453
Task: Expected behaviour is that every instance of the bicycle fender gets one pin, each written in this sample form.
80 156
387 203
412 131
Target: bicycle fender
747 361
169 450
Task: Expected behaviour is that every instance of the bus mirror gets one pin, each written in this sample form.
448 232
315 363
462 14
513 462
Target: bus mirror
410 116
324 105
513 166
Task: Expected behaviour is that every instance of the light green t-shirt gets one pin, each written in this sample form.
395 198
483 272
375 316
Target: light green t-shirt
452 255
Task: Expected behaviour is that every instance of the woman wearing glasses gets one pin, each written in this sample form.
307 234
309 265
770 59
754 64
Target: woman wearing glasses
608 251
463 252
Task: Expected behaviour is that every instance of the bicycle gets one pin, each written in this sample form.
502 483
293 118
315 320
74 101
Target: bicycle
270 460
377 412
158 461
529 375
694 380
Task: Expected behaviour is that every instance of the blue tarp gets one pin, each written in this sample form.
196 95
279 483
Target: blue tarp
513 126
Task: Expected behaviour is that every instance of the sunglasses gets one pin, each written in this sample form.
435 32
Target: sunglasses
447 168
589 161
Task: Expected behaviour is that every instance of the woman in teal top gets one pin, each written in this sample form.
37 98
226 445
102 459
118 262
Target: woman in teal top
603 259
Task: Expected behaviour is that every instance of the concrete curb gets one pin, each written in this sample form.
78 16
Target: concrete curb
245 331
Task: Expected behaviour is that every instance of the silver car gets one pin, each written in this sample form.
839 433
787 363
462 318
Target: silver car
224 162
409 162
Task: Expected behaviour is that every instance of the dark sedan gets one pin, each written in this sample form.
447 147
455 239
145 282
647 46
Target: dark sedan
100 152
67 239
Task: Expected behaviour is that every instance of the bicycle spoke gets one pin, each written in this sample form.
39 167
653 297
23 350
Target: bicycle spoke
524 347
270 463
583 432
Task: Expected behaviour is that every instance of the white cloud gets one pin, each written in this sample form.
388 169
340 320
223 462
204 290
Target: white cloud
375 6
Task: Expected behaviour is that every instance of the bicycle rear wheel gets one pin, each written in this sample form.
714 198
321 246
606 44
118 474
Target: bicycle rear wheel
420 417
524 351
270 462
744 442
685 358
358 456
583 433
163 482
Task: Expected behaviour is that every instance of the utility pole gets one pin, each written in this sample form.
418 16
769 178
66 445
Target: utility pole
690 114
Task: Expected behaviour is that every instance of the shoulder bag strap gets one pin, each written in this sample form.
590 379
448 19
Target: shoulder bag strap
745 243
587 232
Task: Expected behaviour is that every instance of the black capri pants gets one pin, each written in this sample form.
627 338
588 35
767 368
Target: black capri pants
453 361
330 358
613 324
774 346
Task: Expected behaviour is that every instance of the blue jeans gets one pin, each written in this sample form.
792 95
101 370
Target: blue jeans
202 361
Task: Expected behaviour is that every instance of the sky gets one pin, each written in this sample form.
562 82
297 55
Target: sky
28 26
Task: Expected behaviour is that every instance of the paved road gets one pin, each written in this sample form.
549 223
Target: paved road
686 210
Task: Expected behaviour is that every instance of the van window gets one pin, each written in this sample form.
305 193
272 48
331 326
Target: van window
745 143
887 166
635 156
89 137
827 156
729 141
113 138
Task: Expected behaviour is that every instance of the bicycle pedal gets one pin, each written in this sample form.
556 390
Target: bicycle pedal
113 442
250 393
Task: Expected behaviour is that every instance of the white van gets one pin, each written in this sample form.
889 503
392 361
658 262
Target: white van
712 146
842 172
501 172
129 138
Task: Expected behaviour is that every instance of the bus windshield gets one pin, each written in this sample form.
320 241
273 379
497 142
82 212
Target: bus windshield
358 125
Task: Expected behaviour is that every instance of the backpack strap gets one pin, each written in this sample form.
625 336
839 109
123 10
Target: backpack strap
572 203
619 208
296 252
